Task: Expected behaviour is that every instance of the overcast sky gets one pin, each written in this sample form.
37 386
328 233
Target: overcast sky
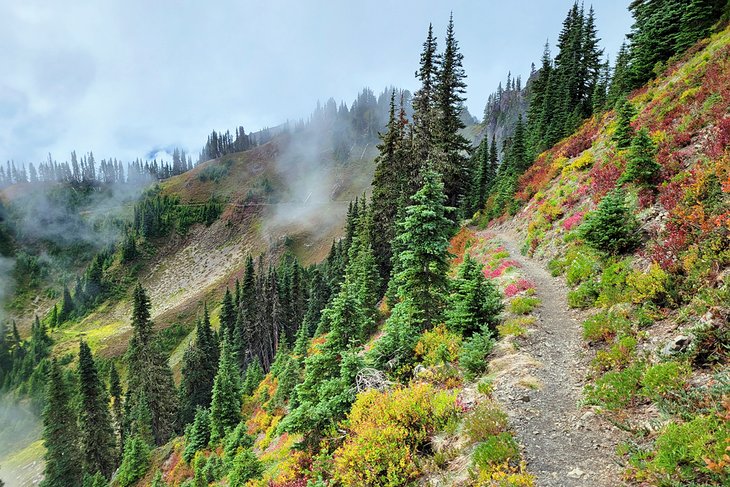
121 77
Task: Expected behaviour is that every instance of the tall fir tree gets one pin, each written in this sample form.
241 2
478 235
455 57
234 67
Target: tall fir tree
98 444
424 259
451 147
198 370
60 434
225 406
424 116
149 372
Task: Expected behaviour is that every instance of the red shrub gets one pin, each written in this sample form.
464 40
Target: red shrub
603 179
721 139
518 287
573 220
646 198
670 194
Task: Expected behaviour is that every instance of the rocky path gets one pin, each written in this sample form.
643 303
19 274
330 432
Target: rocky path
564 445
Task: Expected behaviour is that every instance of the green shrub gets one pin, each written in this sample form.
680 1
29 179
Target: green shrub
611 228
683 451
516 326
522 305
495 450
238 438
584 296
663 379
484 421
197 435
580 267
619 356
616 389
605 325
473 354
649 286
438 346
612 288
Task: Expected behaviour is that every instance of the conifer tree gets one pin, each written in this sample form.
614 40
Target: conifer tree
476 302
611 227
424 259
98 445
451 146
642 166
424 118
198 370
225 406
197 435
135 462
253 377
228 315
624 131
115 390
387 190
60 434
149 373
621 81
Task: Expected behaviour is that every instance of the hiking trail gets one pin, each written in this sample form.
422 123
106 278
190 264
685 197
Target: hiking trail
565 445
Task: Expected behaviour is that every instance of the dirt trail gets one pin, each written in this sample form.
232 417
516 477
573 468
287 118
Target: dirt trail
564 445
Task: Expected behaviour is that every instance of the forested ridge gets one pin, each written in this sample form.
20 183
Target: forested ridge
382 363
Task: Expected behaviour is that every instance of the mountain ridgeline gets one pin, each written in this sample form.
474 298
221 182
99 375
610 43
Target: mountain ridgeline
328 303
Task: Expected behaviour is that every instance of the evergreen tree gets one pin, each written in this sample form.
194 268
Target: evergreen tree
67 306
60 434
621 81
198 370
98 445
149 373
388 186
451 146
135 462
197 435
228 315
424 260
424 117
252 379
624 131
96 480
642 167
697 18
115 390
245 467
476 302
225 406
611 227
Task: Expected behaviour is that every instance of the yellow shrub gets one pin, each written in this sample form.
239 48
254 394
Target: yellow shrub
581 162
648 286
386 431
438 346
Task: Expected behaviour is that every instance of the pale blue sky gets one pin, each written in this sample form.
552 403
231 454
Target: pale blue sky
121 77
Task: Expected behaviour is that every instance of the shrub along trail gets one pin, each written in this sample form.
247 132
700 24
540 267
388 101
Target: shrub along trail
564 444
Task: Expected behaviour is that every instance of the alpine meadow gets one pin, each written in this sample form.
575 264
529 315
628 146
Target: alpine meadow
384 292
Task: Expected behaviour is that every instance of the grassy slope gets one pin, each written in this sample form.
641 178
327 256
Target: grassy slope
674 284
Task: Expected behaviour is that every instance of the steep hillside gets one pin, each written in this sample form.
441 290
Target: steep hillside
648 262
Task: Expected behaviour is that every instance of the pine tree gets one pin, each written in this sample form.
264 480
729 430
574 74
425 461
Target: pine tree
424 260
98 445
620 85
697 18
60 434
387 189
642 167
225 406
252 379
451 146
67 306
149 372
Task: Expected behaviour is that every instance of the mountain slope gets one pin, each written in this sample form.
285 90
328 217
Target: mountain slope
658 314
